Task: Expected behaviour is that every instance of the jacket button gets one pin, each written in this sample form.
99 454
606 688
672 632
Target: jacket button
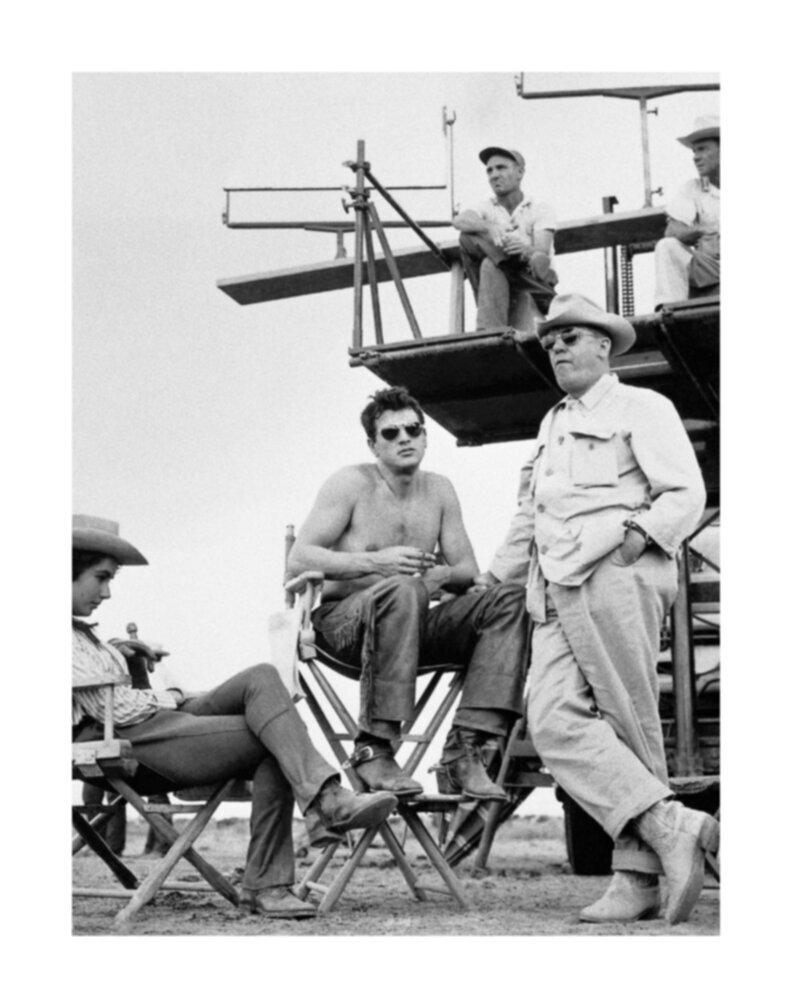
543 549
540 508
548 472
591 447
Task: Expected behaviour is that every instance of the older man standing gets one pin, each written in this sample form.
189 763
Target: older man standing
687 259
507 246
611 491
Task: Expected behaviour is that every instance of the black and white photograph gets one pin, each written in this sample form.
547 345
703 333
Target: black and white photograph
396 503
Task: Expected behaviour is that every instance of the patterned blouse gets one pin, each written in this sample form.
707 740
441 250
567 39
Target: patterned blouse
93 660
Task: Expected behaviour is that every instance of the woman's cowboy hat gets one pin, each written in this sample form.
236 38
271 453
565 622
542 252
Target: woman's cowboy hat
98 535
704 128
574 309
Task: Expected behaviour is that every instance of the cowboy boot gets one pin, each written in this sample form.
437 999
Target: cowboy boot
679 836
631 896
464 768
374 764
341 809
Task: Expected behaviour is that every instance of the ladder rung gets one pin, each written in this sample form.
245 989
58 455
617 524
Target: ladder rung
317 887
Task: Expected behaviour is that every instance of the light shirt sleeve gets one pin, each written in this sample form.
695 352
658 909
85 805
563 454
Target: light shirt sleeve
666 458
682 205
510 562
545 218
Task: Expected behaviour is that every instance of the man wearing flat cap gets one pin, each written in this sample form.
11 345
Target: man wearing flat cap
687 259
507 247
610 492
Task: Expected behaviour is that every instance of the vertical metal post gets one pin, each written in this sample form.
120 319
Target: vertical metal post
688 761
289 542
360 210
374 290
645 149
611 263
448 132
456 321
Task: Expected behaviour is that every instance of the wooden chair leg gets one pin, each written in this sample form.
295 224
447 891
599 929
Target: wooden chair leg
316 870
339 883
181 847
424 838
98 845
403 864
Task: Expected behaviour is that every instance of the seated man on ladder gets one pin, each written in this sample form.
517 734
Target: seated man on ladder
687 259
389 537
507 247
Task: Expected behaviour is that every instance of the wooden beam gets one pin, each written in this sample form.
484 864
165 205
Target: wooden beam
602 231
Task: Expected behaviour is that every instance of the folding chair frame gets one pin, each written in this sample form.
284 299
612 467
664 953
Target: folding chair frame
110 763
309 656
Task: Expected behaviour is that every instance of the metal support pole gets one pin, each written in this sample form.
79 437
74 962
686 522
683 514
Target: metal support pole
394 272
643 112
611 263
360 203
688 759
456 320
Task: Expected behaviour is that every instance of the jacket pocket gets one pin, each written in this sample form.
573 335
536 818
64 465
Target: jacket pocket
594 461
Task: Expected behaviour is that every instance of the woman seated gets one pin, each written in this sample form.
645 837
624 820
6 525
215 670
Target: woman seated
247 727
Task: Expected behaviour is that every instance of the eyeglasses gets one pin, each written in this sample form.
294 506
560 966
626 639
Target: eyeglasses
412 430
569 337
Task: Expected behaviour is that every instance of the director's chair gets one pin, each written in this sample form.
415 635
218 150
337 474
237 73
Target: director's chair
313 682
109 762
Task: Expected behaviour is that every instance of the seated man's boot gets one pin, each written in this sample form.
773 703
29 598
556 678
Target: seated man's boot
379 771
631 896
319 836
462 763
277 902
679 836
341 809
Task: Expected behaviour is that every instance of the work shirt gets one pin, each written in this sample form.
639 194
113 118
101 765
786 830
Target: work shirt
527 218
92 661
697 204
617 453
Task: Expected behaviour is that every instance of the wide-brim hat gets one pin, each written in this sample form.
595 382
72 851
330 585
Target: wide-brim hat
704 128
98 535
489 152
574 309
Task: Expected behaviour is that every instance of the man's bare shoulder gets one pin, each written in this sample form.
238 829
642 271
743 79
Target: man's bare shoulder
352 478
439 486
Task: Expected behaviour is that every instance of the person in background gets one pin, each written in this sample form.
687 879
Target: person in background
506 246
246 727
687 259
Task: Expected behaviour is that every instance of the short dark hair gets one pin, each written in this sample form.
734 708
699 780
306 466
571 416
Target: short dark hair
83 559
383 401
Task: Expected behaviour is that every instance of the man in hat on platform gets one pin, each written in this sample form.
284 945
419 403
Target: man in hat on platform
687 259
609 493
507 247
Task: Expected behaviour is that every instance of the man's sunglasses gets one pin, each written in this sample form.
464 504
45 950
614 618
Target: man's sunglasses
412 430
569 337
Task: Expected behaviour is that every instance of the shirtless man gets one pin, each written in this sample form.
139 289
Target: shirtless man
389 538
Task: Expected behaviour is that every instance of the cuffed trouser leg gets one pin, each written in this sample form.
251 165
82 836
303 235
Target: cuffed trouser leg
487 633
246 727
480 258
258 694
593 696
672 263
379 628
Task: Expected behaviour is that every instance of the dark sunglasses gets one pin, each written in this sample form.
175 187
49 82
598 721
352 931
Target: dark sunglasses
569 337
412 430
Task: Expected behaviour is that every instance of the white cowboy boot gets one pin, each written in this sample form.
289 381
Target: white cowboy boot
679 836
631 896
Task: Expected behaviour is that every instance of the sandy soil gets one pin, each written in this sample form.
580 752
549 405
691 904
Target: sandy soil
529 890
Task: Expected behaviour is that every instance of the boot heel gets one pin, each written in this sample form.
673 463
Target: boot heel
709 835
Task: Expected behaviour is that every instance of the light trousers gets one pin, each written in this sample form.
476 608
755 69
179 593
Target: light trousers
593 695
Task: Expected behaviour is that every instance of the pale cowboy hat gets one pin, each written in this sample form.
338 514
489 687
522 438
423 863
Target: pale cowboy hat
704 128
98 535
514 155
574 309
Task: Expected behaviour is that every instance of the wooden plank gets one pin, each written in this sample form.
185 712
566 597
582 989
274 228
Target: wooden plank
601 231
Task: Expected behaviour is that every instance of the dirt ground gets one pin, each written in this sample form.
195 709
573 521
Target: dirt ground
530 890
